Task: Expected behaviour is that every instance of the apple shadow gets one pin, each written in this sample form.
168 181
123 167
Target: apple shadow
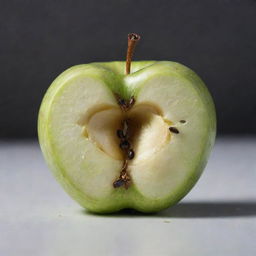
194 210
210 210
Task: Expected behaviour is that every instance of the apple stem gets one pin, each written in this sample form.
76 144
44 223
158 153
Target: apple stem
132 41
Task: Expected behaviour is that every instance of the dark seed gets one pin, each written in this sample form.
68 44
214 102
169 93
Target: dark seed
120 134
124 144
122 102
174 130
118 183
183 121
130 154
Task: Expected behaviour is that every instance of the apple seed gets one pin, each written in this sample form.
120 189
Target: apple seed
121 102
118 183
174 130
120 134
124 144
130 154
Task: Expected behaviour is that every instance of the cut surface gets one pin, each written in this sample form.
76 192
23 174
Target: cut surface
78 124
147 130
101 129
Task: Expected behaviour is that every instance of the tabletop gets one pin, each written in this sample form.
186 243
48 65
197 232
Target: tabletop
218 217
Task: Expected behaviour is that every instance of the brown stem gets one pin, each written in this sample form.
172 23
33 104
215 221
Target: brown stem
132 41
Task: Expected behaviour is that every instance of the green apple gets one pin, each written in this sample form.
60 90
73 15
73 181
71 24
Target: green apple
118 141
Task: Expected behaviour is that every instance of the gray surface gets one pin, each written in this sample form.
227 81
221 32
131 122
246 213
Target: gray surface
216 218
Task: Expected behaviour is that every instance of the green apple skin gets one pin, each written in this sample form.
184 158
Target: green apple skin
113 75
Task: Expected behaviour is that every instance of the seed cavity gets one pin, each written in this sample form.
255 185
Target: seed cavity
183 121
124 178
174 130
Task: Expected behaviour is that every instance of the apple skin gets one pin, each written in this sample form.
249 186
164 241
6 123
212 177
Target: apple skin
113 75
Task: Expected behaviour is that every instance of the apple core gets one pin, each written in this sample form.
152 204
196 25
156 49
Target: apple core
131 134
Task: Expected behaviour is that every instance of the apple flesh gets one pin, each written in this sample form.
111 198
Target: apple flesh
171 126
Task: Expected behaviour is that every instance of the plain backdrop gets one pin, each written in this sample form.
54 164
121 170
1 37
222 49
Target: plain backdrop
40 39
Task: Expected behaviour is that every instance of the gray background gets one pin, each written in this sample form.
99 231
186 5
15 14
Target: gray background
40 39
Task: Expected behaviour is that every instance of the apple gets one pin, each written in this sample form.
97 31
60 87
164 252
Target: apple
136 139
